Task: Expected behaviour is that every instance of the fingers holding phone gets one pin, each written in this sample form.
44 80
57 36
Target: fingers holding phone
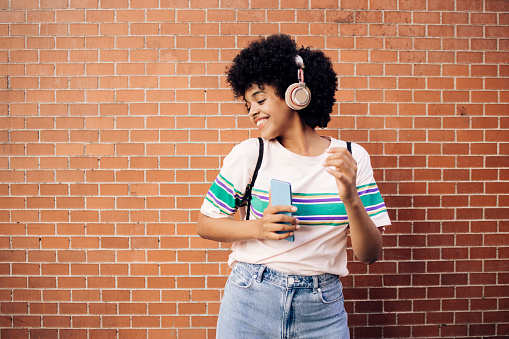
274 222
278 220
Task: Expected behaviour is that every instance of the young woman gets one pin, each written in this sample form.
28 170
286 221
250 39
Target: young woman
279 288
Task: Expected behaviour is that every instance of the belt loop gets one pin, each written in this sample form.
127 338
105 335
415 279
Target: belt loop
315 284
260 273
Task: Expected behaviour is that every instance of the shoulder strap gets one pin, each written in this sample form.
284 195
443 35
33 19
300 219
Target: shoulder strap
247 196
349 148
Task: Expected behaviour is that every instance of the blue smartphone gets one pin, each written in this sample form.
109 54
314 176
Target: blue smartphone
281 194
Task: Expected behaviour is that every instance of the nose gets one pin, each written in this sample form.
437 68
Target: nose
253 110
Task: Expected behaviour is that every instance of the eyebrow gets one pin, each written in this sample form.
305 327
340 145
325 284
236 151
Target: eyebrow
257 92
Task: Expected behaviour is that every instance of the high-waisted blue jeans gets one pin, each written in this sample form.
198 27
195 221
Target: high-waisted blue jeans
263 303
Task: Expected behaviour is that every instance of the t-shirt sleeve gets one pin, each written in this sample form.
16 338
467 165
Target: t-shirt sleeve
368 189
227 191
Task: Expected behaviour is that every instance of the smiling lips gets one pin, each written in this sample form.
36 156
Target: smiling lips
261 122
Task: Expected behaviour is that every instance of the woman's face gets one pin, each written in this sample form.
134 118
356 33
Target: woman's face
269 112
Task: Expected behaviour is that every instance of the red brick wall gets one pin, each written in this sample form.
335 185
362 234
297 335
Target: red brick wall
115 117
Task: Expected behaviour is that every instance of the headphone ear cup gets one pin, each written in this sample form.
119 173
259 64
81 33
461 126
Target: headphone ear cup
297 96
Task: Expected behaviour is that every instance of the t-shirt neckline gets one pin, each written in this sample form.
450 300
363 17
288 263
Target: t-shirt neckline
303 157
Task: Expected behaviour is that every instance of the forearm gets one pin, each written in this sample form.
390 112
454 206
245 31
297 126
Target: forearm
365 236
225 229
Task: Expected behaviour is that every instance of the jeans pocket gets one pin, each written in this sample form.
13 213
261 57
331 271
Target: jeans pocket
241 278
332 292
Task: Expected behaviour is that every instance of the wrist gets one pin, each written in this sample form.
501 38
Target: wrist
353 202
257 229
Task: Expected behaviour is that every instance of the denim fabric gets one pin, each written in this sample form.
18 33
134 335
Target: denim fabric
263 303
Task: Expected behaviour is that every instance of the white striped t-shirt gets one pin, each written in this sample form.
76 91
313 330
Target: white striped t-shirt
320 244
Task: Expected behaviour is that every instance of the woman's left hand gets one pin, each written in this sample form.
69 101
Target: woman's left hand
343 167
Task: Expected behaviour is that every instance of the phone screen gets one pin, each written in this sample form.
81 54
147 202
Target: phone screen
281 194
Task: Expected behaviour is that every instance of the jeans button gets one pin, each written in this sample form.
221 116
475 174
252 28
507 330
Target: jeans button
291 281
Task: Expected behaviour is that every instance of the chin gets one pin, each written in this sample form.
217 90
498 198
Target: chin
268 135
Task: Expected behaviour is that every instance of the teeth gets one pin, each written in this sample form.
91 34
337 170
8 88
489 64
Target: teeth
261 121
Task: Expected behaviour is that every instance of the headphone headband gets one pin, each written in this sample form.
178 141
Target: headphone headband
299 61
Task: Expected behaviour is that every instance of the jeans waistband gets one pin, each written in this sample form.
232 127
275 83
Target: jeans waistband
263 272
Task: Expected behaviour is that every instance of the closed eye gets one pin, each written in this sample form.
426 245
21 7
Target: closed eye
248 107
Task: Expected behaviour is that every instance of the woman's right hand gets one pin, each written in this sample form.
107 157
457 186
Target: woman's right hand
273 222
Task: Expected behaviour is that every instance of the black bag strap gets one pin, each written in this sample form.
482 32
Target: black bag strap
249 188
349 148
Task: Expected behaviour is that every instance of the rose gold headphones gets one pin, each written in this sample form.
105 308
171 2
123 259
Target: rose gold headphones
297 95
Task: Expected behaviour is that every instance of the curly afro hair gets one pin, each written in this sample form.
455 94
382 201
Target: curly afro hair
271 61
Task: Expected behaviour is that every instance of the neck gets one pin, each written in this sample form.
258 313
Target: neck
304 141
